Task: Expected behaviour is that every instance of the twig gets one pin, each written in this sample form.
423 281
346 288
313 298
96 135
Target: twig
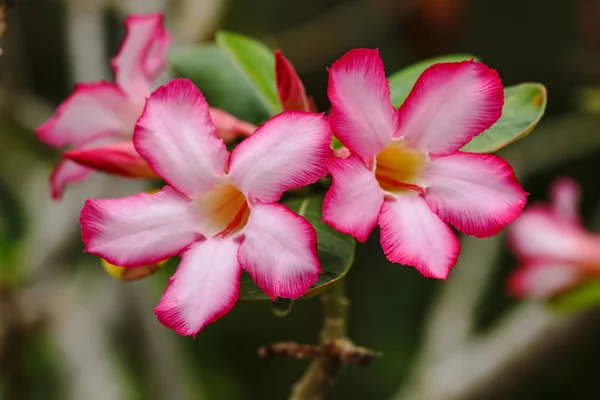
330 357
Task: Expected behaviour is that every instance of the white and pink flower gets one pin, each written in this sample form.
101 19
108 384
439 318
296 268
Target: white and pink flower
219 211
96 121
554 249
406 172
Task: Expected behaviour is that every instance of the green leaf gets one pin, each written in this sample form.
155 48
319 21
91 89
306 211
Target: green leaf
256 63
581 297
221 82
335 250
524 106
402 82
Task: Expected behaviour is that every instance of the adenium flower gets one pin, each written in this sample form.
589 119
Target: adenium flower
554 249
96 121
405 172
219 211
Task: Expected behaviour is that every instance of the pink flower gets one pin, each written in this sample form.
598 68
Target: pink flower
555 251
406 172
219 211
290 88
96 121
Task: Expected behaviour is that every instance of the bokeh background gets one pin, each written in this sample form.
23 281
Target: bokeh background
69 331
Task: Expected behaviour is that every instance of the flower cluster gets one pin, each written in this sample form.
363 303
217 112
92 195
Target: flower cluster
220 211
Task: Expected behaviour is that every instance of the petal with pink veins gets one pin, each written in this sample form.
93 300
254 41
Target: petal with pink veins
178 139
92 111
477 193
142 54
279 251
229 127
138 230
64 173
362 116
204 287
119 158
290 88
412 234
286 152
542 280
354 200
450 104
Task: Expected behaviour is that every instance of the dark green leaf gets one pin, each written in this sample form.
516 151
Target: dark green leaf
336 251
256 63
524 106
223 85
402 82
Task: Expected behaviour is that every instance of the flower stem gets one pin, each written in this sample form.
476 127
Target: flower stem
321 372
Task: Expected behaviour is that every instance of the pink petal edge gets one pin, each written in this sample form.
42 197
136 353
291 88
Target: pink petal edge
353 202
205 287
279 251
412 234
449 105
362 116
138 230
476 193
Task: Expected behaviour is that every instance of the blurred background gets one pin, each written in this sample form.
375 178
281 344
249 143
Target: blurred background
70 331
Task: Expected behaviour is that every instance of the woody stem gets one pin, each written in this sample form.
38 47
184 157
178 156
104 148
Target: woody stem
321 372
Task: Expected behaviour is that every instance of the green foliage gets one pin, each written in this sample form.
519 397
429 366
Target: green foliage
582 297
256 63
223 85
524 106
12 229
335 250
237 74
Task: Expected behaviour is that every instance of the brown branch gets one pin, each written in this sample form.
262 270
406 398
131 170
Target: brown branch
329 357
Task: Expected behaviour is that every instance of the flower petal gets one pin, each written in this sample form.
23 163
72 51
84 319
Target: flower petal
204 287
539 235
477 193
119 158
362 116
64 173
92 111
412 234
354 200
566 195
449 105
542 281
229 127
138 230
177 138
280 251
287 152
142 54
290 88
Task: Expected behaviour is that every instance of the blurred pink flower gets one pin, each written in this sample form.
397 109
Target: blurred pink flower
555 251
406 172
219 211
96 121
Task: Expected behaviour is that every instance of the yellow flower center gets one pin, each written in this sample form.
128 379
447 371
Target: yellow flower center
222 211
399 166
